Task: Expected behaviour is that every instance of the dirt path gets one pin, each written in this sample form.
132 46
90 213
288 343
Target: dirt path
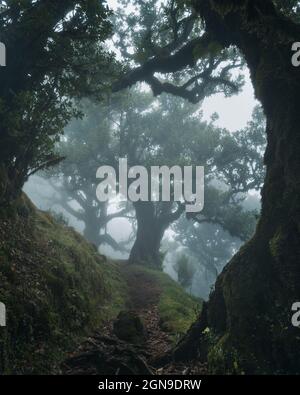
144 298
106 353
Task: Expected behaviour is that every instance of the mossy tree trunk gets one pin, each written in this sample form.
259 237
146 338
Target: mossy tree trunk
246 325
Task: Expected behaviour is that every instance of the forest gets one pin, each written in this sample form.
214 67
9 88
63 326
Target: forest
149 187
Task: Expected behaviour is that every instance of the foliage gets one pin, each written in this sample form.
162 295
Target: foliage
185 271
155 31
148 132
87 144
52 50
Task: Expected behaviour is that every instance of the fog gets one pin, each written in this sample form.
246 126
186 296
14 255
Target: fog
44 196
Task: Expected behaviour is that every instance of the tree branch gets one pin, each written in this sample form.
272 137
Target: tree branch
186 56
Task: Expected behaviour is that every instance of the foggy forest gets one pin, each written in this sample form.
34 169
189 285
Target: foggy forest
110 270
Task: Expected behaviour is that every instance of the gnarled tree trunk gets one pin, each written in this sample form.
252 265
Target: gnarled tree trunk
246 325
150 231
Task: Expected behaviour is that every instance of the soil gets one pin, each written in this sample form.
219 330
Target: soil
105 353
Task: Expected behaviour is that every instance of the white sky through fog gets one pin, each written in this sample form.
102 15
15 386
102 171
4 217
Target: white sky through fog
234 112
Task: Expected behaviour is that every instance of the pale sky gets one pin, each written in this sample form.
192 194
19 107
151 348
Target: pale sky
235 111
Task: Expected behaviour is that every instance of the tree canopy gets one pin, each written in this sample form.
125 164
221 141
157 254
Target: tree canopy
53 49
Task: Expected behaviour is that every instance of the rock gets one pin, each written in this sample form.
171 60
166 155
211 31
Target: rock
129 327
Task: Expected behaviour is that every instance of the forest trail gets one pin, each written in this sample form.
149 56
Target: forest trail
144 295
55 272
108 351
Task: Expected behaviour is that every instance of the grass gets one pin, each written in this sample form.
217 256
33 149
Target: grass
57 290
177 309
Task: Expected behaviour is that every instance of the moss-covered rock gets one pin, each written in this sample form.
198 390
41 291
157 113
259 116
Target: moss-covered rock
129 327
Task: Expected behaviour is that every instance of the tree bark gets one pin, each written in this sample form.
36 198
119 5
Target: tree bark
246 325
92 228
150 231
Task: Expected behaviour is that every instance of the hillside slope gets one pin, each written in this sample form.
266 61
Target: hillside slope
138 341
58 290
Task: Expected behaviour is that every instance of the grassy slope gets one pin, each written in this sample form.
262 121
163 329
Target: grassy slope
57 289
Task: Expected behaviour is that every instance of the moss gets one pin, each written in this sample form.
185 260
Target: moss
56 288
129 327
177 309
222 357
276 244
